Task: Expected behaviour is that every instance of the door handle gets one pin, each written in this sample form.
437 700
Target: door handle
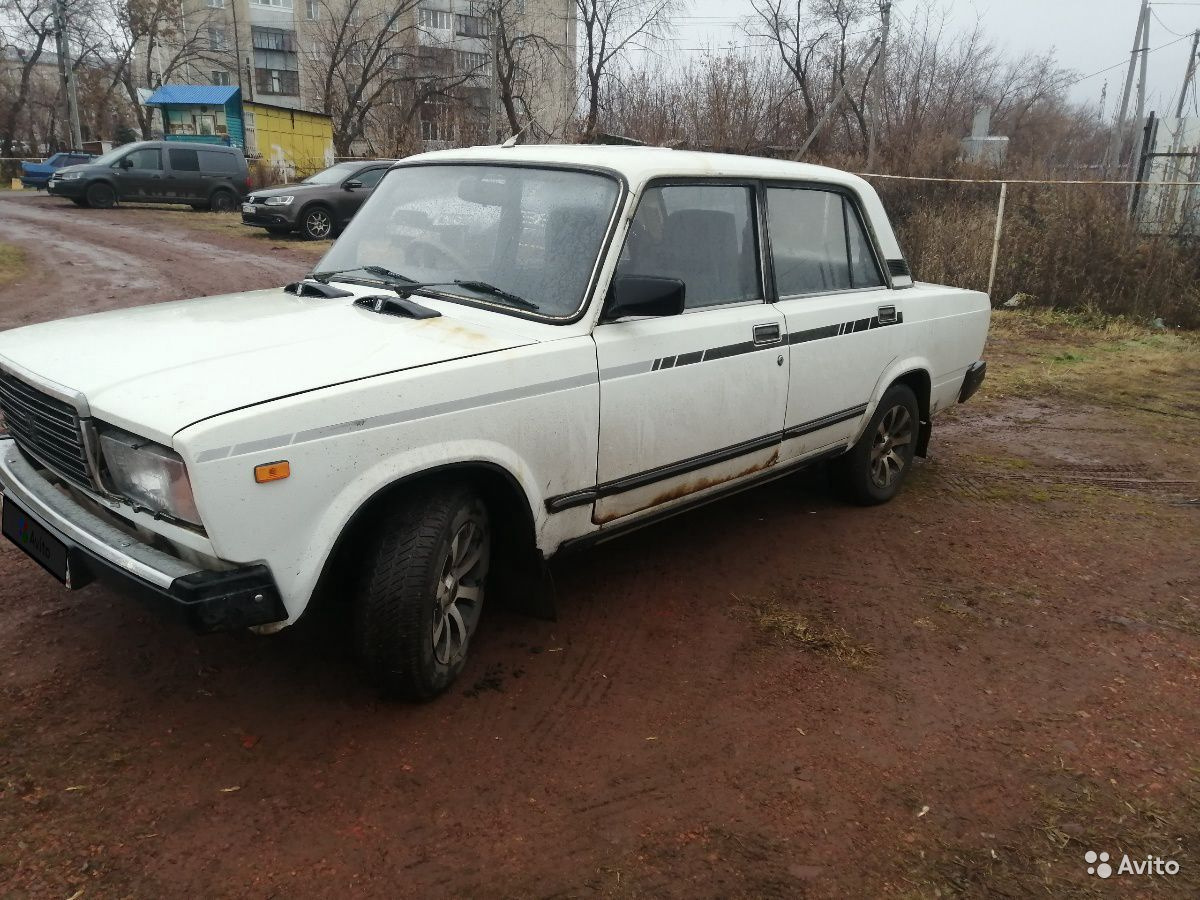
768 333
887 315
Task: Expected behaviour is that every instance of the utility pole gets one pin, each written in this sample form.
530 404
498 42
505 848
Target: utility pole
1113 156
1189 75
876 110
494 86
836 101
66 72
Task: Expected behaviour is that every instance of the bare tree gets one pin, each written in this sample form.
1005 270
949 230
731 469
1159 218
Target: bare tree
524 57
147 42
29 31
371 72
609 29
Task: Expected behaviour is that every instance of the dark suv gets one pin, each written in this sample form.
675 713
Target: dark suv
320 205
205 176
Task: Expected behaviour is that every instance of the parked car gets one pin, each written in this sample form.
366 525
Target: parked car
205 176
36 175
321 205
510 352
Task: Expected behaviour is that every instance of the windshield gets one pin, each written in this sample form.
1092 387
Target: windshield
112 155
334 174
533 233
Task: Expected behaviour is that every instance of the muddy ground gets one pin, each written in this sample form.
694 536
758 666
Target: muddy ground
956 694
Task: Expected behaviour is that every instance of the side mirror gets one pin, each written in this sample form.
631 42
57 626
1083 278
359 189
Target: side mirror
126 163
644 295
352 184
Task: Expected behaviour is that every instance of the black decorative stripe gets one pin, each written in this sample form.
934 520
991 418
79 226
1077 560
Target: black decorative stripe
691 464
730 350
686 359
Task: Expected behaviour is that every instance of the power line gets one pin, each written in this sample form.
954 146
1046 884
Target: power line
1124 62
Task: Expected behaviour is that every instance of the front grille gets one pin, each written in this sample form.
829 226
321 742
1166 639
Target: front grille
45 427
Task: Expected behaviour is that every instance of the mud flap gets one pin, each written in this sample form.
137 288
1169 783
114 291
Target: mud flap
528 590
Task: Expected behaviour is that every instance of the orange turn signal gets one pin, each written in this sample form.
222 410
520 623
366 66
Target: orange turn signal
272 471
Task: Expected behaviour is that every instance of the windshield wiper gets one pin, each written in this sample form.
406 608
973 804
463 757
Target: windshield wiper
390 278
403 285
482 287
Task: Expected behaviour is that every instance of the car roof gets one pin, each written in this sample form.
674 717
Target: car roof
640 164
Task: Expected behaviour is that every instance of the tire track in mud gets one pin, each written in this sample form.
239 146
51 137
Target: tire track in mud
82 261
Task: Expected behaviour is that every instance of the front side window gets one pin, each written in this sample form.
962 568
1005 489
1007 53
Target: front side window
371 177
701 234
817 243
533 233
149 158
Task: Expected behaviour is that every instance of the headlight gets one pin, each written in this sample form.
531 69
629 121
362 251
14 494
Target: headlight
69 176
148 475
279 201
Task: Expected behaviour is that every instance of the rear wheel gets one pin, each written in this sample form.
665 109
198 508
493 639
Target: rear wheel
222 201
100 195
876 466
422 591
317 224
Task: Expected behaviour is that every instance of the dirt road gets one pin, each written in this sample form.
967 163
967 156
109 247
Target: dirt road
960 692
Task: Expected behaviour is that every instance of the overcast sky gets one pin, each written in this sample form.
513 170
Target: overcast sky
1087 35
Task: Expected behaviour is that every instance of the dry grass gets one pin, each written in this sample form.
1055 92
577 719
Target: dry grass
794 629
12 264
1091 359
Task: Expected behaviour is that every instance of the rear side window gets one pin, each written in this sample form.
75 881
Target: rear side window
818 243
184 160
701 234
218 163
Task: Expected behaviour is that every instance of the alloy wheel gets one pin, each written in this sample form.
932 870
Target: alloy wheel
895 432
460 590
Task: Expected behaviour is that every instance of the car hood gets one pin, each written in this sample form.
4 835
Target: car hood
154 370
295 188
77 167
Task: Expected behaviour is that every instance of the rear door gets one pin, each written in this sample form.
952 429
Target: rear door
693 401
841 317
184 181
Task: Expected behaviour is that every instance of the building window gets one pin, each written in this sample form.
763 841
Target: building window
434 18
432 130
216 38
220 78
273 4
276 62
216 4
468 61
471 26
313 9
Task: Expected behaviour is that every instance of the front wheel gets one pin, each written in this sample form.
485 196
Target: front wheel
317 224
422 588
874 468
222 201
100 195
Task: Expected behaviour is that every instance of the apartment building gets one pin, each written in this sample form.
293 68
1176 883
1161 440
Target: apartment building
280 52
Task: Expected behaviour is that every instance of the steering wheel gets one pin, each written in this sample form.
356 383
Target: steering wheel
425 253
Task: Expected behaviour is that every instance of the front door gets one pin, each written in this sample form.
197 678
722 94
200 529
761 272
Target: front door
694 401
840 315
352 198
140 175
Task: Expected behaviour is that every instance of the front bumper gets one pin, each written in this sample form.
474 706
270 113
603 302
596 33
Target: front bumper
73 188
972 380
269 216
37 182
208 600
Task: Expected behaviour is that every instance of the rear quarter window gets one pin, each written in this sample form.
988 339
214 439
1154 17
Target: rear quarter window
218 163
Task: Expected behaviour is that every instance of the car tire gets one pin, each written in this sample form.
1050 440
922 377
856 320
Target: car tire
423 578
875 467
222 201
100 195
279 230
316 224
